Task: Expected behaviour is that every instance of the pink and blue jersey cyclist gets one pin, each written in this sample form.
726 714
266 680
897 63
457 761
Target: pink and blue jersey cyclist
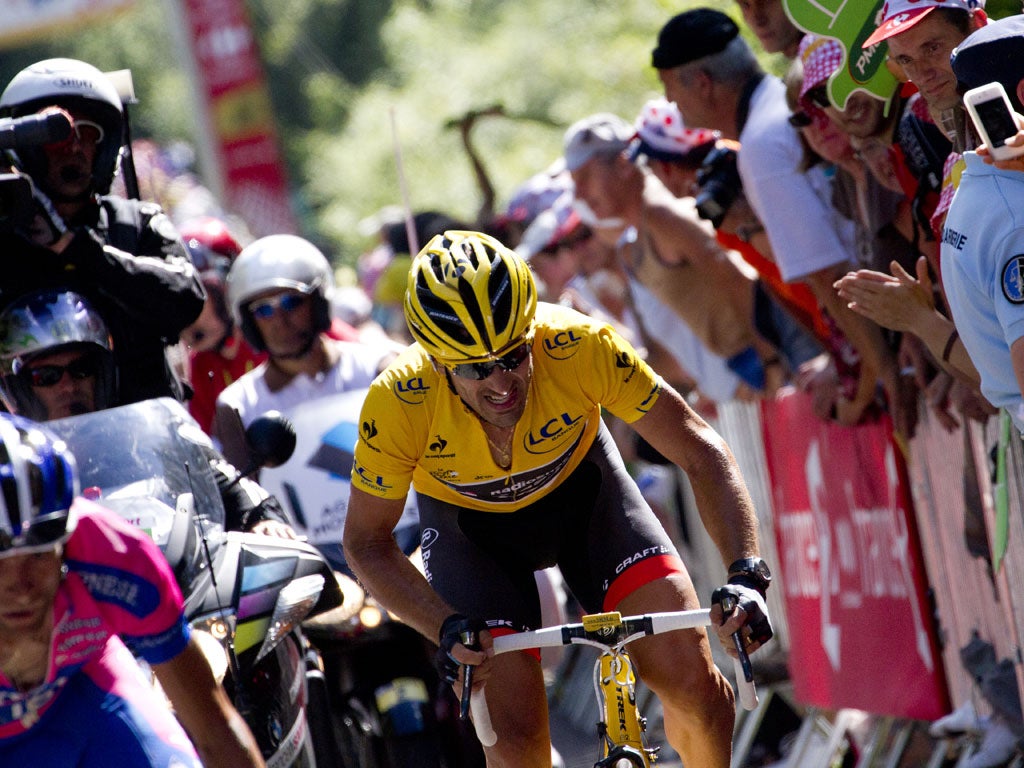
71 606
91 676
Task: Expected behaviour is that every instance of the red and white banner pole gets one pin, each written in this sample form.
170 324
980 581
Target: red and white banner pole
239 143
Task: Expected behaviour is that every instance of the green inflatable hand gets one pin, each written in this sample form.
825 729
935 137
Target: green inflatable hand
851 22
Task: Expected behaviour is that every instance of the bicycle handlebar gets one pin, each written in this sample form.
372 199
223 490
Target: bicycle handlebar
635 626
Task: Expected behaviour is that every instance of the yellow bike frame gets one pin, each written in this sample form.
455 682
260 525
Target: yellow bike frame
622 729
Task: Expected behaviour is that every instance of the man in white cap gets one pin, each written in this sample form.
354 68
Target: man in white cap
921 35
787 313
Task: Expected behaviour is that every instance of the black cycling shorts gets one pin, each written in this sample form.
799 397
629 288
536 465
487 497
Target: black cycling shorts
596 526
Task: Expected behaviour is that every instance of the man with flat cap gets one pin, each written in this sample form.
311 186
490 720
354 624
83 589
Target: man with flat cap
711 74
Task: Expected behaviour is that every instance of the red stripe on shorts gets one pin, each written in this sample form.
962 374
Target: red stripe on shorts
638 574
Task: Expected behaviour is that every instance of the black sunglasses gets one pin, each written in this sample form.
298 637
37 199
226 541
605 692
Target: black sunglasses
480 371
818 96
43 533
800 119
49 375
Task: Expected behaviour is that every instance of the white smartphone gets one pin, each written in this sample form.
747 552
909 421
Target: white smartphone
993 116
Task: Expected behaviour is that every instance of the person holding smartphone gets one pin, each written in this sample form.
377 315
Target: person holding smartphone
983 238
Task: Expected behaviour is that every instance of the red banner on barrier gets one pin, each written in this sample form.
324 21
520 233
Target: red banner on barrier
861 634
233 87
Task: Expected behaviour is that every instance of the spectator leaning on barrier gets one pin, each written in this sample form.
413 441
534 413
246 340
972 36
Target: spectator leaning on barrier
921 35
983 238
881 214
708 70
675 254
676 155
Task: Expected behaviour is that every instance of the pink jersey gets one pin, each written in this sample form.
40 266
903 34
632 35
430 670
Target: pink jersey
118 584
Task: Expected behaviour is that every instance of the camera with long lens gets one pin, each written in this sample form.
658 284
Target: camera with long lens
718 179
17 206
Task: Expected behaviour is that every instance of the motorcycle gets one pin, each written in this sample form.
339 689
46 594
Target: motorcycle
245 594
390 708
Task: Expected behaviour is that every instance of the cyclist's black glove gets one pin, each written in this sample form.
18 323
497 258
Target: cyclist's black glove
737 594
450 636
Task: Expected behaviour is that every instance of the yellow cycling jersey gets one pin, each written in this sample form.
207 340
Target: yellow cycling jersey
416 430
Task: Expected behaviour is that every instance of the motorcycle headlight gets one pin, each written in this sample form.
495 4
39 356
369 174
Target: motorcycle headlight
295 600
370 616
352 600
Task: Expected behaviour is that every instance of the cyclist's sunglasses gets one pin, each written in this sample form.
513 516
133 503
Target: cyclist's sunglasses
42 535
45 376
286 302
507 362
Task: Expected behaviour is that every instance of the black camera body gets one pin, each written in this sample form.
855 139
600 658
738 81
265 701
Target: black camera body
16 203
17 206
719 181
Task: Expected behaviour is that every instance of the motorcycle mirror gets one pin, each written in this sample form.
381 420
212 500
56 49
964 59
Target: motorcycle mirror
271 438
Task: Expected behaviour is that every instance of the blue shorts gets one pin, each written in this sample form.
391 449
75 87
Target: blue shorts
107 714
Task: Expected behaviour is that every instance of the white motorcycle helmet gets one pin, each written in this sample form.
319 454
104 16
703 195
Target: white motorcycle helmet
77 87
274 262
46 322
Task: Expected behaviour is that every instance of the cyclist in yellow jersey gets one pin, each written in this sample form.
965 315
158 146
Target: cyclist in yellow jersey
493 417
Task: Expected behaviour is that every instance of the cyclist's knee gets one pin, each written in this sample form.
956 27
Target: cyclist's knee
523 736
517 701
519 748
682 672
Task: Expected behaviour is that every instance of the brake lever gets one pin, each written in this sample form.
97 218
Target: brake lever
729 604
467 638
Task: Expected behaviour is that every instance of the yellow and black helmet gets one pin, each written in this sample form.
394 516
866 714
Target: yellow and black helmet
469 297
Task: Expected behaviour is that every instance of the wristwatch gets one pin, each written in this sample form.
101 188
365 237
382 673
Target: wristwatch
751 571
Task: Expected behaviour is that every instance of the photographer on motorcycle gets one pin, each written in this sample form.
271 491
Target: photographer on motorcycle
77 585
124 255
57 360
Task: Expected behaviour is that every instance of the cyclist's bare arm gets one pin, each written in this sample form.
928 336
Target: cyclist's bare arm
724 504
725 508
390 576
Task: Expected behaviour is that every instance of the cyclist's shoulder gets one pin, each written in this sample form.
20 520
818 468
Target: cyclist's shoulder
407 389
553 319
100 536
560 333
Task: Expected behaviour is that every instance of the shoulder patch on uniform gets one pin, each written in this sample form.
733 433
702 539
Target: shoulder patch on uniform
1013 279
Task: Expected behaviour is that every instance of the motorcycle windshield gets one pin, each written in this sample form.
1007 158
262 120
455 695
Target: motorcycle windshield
152 449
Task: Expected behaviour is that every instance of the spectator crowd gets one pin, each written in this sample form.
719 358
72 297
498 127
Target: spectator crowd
747 232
